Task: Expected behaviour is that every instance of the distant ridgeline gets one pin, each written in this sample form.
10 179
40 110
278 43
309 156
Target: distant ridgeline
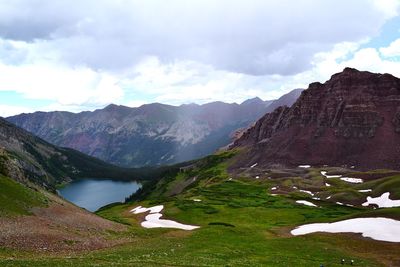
150 135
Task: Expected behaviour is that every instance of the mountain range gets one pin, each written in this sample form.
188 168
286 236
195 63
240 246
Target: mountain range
150 135
351 120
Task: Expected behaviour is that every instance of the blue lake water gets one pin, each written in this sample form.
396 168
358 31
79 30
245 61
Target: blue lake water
93 194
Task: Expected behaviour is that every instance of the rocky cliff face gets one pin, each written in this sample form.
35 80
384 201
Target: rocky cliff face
153 134
352 119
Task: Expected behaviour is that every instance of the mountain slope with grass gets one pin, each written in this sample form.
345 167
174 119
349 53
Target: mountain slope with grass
29 159
246 218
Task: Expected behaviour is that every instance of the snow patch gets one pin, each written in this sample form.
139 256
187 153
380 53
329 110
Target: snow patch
307 203
330 176
140 209
382 229
153 219
352 180
307 192
305 166
255 164
274 188
257 177
383 201
365 190
197 200
327 185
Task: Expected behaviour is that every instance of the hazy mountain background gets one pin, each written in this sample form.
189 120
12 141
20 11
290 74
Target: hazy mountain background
153 134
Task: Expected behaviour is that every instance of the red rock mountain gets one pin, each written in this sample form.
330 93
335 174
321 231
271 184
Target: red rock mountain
352 119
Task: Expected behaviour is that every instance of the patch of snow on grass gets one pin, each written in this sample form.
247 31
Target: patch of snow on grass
274 188
307 203
305 166
153 219
155 209
329 197
330 176
383 201
307 192
255 164
382 229
352 180
257 177
327 185
197 200
365 190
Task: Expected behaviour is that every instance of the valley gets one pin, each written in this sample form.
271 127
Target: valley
195 133
300 187
242 220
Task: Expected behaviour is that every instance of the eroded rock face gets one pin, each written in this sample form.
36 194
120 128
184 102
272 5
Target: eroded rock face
352 119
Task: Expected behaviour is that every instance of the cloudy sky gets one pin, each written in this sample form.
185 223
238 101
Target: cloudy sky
83 55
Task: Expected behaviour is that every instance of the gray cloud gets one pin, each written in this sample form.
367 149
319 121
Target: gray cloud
256 37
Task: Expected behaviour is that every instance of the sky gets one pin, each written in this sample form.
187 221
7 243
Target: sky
84 55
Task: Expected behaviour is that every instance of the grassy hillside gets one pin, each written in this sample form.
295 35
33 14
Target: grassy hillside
24 157
16 199
242 222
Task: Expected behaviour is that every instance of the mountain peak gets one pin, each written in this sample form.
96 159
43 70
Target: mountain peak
349 119
252 101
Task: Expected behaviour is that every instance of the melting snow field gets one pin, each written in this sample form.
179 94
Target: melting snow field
153 219
383 201
307 203
382 229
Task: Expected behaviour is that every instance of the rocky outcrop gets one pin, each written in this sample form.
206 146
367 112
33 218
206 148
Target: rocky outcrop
352 119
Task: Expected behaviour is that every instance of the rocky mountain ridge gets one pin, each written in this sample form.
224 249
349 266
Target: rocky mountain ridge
352 119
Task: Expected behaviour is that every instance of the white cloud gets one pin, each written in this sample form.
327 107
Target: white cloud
9 110
255 37
66 86
136 52
393 50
